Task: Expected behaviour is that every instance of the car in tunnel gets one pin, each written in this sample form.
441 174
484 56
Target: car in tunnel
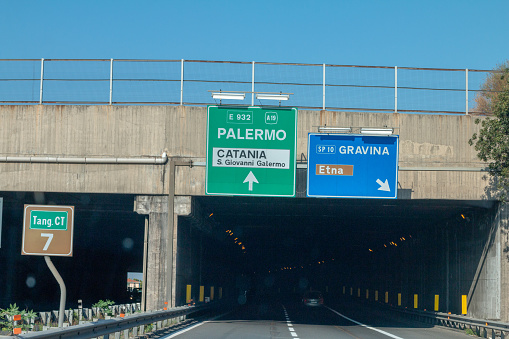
312 298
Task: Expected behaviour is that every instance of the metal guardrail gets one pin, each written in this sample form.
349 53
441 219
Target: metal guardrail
189 82
134 323
481 328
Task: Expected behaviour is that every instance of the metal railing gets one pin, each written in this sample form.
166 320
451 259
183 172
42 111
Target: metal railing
189 82
481 328
132 325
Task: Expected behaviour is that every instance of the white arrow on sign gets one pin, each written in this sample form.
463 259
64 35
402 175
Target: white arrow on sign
384 186
250 178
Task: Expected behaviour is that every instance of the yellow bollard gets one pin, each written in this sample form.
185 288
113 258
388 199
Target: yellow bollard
386 297
437 298
376 295
344 289
188 294
351 290
463 304
399 299
367 294
358 292
211 293
202 293
416 301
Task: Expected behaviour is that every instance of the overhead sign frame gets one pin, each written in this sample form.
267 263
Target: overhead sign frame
352 166
251 151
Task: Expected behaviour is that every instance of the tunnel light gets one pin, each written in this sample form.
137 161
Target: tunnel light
273 96
334 129
228 96
377 131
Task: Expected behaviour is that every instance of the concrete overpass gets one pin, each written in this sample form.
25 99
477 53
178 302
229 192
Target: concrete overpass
157 154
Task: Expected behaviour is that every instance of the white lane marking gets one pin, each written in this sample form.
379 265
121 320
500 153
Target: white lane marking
363 325
194 326
289 323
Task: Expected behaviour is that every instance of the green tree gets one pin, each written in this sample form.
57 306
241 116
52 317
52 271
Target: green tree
492 141
488 95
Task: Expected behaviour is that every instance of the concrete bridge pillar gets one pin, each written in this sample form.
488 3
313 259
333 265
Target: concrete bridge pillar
159 266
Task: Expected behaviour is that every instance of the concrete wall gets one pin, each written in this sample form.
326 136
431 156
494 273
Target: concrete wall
426 141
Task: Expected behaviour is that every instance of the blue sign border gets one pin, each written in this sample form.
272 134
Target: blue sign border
366 166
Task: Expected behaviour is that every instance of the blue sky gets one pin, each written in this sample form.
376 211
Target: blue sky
444 34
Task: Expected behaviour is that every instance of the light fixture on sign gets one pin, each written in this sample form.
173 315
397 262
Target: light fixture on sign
377 131
334 129
228 95
273 96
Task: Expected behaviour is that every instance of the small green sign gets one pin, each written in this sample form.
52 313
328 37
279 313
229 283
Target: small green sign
48 220
251 151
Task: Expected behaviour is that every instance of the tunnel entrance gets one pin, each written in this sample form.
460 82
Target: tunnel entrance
421 247
256 245
108 243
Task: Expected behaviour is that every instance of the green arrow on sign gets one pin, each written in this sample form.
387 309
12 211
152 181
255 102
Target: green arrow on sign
251 145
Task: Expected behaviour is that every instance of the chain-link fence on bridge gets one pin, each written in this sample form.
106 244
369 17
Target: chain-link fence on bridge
190 82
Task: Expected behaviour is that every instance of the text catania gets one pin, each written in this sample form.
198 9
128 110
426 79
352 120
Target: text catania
371 150
251 134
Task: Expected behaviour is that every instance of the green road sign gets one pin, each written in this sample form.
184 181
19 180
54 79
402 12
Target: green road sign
48 220
251 151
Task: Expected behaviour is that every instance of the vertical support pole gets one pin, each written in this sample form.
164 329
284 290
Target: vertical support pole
211 293
220 293
447 308
466 91
399 299
172 217
252 84
376 295
42 77
437 303
145 258
386 297
181 81
395 89
63 291
323 89
111 79
416 301
367 294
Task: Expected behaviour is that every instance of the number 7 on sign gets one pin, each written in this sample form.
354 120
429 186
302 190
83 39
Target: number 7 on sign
50 237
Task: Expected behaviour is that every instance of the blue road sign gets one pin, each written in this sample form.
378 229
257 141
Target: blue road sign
352 166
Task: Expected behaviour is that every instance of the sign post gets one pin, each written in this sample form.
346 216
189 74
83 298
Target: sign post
352 166
251 151
48 231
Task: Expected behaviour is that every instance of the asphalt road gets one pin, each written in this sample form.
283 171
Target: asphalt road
291 319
